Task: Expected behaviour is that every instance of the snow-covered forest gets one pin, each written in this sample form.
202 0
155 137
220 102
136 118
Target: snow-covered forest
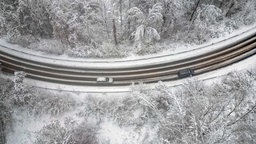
119 28
216 111
196 113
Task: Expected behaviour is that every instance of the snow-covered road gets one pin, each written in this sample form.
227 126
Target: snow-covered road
132 63
247 64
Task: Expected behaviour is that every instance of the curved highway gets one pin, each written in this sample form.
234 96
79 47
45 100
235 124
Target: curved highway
165 70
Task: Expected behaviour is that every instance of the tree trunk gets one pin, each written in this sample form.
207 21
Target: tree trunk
114 31
192 16
221 4
129 23
166 5
194 11
121 13
2 132
104 15
232 3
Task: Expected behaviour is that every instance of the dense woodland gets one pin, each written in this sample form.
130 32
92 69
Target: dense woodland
196 113
115 28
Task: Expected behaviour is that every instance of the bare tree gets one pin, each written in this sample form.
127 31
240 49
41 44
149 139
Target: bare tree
194 11
114 31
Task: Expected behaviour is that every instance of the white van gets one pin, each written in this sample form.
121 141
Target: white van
104 80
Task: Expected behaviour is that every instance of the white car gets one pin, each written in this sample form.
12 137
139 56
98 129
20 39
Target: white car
104 80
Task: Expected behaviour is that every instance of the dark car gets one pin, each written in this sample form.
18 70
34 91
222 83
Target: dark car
186 73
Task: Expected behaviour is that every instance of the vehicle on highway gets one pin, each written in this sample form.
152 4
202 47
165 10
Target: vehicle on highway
186 73
104 80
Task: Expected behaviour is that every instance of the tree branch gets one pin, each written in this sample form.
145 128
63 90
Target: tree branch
230 124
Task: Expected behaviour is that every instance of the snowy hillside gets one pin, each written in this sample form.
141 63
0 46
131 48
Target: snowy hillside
217 107
120 28
195 112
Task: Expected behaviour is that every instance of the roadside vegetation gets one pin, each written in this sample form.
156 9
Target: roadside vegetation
196 112
119 28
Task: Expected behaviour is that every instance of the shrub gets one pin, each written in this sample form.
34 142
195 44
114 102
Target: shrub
6 91
55 133
49 46
69 133
47 103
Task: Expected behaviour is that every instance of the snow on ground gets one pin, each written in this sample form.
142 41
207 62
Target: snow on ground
180 48
24 128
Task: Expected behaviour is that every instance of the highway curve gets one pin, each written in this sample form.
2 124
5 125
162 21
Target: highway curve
164 71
